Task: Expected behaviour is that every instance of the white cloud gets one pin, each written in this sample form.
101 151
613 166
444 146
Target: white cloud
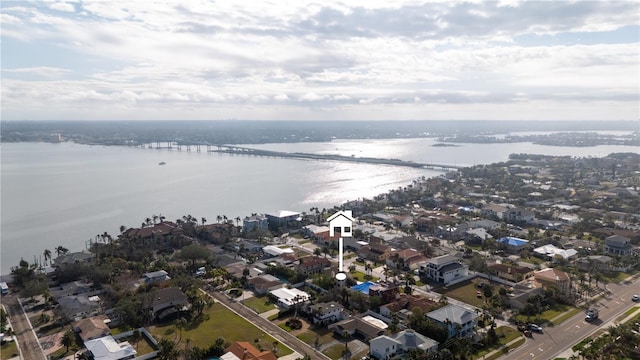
62 6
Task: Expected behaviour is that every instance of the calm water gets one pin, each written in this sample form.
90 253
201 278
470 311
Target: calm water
65 194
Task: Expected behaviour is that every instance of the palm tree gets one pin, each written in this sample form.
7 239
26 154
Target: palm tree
122 229
67 339
47 255
180 324
155 219
167 350
136 336
60 250
219 218
238 220
204 220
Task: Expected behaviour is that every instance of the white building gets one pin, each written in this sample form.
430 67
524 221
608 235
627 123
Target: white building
106 348
444 269
458 321
384 347
288 297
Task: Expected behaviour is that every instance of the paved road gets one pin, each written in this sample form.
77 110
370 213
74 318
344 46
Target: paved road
270 328
555 340
29 346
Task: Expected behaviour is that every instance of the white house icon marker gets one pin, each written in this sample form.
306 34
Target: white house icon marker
341 222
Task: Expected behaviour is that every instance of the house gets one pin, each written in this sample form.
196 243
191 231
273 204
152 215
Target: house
283 218
494 210
550 252
512 273
375 251
386 292
341 222
554 277
476 236
165 302
365 328
445 269
458 321
404 304
522 292
312 265
600 262
287 298
245 351
263 283
327 313
618 245
75 307
513 244
319 234
73 258
385 347
406 259
157 231
70 288
106 348
518 215
254 223
155 277
92 328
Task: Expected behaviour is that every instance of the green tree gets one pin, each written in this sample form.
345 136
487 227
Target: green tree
167 350
47 255
68 339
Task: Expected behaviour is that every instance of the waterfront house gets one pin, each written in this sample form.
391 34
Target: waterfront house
73 258
254 223
385 347
458 321
157 231
283 218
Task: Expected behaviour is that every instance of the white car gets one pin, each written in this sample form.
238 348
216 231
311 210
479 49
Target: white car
635 298
535 327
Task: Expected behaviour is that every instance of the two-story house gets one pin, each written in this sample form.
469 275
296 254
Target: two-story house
165 302
406 259
518 215
312 265
618 245
254 223
444 269
375 251
326 313
458 321
512 273
554 277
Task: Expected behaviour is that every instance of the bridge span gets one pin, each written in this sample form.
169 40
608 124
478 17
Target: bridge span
242 150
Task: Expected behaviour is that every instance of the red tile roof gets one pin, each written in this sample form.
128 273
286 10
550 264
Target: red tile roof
246 351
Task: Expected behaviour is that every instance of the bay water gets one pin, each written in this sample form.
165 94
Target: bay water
66 194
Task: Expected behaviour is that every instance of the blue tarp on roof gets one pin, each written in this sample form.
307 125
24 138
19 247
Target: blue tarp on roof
512 241
364 287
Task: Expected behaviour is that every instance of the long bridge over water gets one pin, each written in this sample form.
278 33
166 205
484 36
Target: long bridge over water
242 150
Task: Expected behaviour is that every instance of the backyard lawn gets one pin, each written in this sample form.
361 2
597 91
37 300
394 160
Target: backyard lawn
259 304
360 276
8 350
220 322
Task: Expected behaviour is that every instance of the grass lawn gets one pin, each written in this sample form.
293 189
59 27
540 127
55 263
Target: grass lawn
323 335
533 260
505 334
334 352
259 304
142 347
615 277
627 313
567 315
360 276
61 353
8 350
220 322
563 312
466 292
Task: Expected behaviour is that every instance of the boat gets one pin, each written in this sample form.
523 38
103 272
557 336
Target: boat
161 163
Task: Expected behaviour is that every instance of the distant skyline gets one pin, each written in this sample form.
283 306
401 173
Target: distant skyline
351 60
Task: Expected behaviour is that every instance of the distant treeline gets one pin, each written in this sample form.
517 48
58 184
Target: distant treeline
256 132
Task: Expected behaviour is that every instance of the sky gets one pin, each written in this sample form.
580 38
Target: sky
318 60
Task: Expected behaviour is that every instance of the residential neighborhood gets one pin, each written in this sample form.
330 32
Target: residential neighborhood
461 266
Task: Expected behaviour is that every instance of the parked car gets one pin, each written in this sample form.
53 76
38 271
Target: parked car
535 328
635 298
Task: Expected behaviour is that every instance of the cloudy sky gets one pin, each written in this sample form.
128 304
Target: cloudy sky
360 60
